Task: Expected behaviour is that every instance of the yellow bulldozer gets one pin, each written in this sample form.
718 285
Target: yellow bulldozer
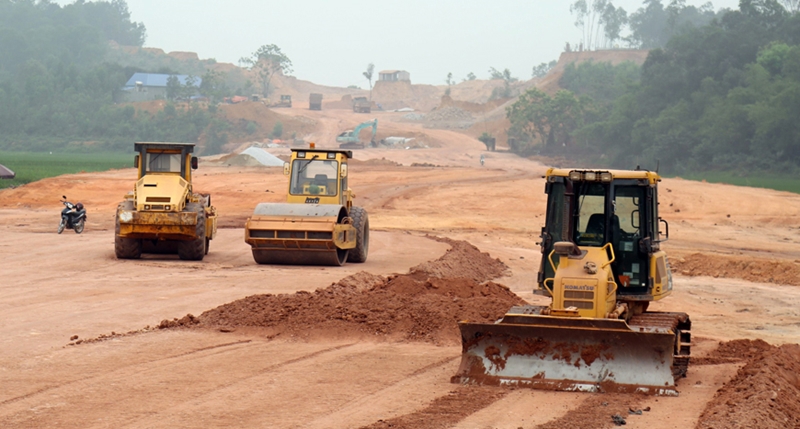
602 264
318 224
163 214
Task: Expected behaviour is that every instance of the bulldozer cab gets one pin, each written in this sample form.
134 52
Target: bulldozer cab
165 158
596 208
318 176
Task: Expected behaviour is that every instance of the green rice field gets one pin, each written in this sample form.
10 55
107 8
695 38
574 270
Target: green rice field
33 166
790 184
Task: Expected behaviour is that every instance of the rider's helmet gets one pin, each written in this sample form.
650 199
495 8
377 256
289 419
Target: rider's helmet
79 206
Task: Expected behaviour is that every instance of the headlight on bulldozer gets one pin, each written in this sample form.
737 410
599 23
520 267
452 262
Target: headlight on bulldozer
167 207
590 176
575 176
605 177
147 206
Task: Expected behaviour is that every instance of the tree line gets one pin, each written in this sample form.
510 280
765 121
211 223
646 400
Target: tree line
722 95
57 84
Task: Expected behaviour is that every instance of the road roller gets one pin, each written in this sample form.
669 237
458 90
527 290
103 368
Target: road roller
318 224
602 265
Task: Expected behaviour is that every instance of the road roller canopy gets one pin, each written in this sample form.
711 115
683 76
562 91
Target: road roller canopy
165 158
318 176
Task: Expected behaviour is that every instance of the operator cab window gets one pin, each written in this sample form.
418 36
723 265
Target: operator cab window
314 177
163 162
630 267
591 224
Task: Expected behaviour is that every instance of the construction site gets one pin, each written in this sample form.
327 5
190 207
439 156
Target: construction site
238 331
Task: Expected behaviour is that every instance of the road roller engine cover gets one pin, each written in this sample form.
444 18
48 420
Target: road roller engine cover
318 224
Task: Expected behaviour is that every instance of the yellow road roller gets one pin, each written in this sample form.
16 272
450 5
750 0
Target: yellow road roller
318 224
163 214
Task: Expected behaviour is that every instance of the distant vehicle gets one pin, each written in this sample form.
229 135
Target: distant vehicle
362 105
349 139
286 101
315 102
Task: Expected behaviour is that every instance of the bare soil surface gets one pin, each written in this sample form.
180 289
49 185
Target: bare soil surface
90 341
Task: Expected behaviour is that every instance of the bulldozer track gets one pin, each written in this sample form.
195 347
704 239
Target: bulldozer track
676 322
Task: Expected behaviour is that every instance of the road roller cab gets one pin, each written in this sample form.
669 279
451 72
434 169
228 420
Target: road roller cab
318 177
318 224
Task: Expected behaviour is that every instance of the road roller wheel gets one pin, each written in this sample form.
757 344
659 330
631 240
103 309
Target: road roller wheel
195 250
126 248
361 224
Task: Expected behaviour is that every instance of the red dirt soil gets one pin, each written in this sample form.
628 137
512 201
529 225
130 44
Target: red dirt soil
424 305
764 392
751 269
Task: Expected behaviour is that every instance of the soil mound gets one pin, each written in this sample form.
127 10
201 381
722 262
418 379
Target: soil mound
746 268
764 394
733 351
423 305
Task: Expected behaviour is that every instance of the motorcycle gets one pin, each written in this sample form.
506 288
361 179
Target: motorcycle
73 216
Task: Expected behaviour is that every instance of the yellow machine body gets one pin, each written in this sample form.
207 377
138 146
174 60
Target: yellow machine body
163 210
602 264
316 225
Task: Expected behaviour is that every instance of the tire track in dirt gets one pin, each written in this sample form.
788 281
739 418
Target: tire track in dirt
149 365
84 379
445 411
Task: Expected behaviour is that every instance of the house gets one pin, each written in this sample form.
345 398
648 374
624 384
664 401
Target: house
394 75
150 86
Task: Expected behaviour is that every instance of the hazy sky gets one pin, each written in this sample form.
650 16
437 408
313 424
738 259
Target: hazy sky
331 41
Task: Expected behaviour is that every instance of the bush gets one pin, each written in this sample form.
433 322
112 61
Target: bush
277 130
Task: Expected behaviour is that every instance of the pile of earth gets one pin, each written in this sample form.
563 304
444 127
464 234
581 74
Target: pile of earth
743 267
423 305
765 393
449 113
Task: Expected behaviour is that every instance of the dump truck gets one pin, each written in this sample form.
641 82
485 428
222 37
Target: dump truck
286 101
349 139
602 264
315 102
362 105
163 214
318 224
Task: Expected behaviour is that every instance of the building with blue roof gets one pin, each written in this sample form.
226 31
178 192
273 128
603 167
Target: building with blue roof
149 86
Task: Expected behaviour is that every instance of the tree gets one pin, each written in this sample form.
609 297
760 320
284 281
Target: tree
550 121
505 75
600 22
792 6
471 76
449 82
543 68
368 74
173 87
266 62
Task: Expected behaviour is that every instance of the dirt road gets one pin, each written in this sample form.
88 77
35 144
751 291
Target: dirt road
55 287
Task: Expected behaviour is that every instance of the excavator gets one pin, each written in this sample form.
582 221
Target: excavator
602 264
349 139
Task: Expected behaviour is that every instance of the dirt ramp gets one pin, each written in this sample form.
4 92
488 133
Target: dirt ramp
424 305
764 394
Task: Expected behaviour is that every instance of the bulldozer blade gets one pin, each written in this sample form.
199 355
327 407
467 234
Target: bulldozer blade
568 354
